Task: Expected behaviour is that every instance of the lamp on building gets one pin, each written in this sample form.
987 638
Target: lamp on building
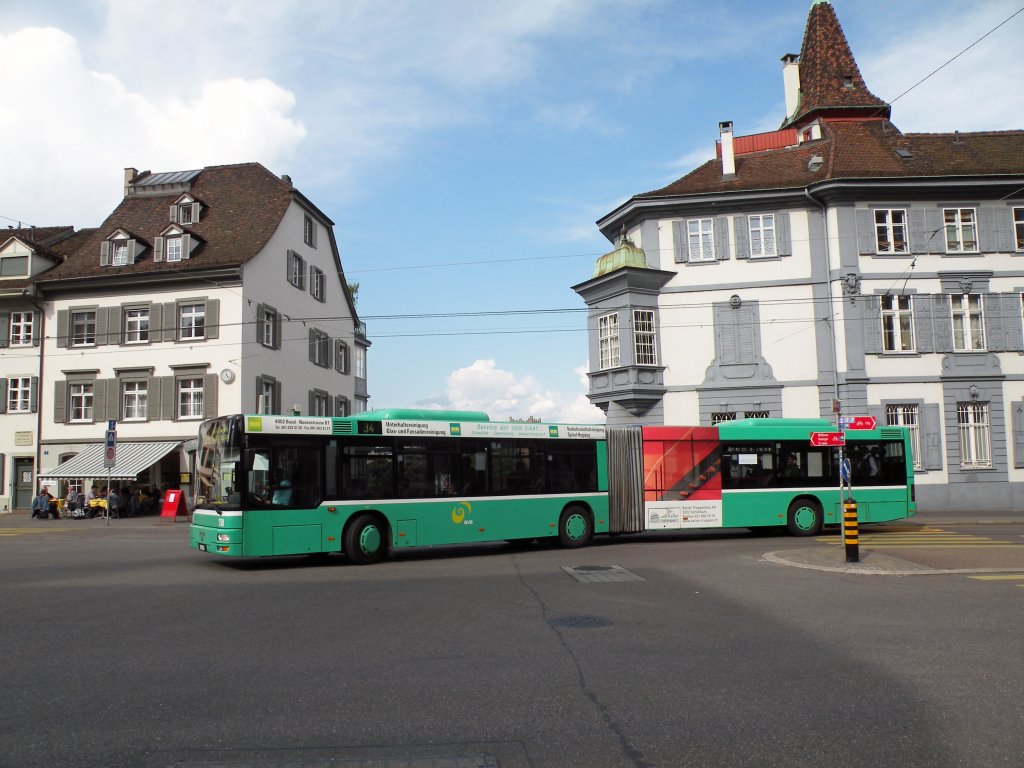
735 301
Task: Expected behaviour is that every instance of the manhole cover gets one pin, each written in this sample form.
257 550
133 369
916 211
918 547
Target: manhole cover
580 622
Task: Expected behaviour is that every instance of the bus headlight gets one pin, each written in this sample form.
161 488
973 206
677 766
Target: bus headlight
223 537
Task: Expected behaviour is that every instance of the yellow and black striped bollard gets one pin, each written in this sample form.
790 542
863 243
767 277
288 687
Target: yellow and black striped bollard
851 532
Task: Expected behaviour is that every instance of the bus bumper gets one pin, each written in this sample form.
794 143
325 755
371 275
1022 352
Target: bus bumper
221 541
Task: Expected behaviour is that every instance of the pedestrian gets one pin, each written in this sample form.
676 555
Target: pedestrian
41 504
113 502
73 501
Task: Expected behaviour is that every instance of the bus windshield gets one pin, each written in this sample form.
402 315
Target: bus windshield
218 469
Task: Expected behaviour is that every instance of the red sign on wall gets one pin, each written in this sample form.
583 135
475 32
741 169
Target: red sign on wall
828 438
862 422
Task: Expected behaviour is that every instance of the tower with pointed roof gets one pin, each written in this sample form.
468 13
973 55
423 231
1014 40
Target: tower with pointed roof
836 258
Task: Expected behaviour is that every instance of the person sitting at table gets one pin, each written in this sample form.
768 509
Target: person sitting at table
41 504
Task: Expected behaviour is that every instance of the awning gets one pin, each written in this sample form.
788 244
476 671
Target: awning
132 458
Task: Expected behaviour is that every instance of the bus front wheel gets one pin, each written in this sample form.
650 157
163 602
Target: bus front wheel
366 540
804 518
575 527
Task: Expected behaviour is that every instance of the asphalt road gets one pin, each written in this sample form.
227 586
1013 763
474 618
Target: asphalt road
122 647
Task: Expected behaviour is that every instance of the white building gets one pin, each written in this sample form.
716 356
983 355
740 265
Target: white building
835 258
205 292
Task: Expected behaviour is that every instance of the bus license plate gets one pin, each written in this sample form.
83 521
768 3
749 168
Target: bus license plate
202 547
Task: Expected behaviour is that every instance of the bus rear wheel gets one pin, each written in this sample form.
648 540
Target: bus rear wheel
804 517
575 527
366 540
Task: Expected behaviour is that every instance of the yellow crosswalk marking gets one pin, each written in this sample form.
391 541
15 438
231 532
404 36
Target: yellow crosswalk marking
1000 577
933 538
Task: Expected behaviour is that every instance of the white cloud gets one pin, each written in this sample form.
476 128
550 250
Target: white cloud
68 167
502 394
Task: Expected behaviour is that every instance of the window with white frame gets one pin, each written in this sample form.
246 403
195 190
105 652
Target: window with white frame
191 322
968 323
134 400
320 403
897 324
136 325
83 328
296 270
645 337
891 231
762 235
907 415
719 416
268 389
341 356
81 401
319 348
190 398
119 253
267 327
22 325
700 239
309 231
1018 228
755 414
316 283
362 405
608 341
185 213
975 435
360 362
172 248
342 407
19 394
961 230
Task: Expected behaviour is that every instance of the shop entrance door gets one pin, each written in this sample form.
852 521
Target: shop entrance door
23 474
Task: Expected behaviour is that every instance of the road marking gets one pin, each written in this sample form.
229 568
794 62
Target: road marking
933 538
30 531
1000 577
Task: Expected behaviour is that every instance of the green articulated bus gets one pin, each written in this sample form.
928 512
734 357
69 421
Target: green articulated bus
385 480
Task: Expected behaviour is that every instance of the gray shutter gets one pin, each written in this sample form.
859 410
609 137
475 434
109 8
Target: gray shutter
721 238
168 322
156 321
37 328
1004 235
1017 422
1012 322
195 212
312 345
168 398
186 246
277 397
872 325
112 399
102 324
918 234
924 332
942 323
783 234
99 401
158 247
33 396
994 320
935 236
60 401
105 253
866 243
740 232
210 389
5 328
3 395
174 214
312 399
277 332
328 352
679 242
931 437
988 241
133 249
259 391
212 319
63 328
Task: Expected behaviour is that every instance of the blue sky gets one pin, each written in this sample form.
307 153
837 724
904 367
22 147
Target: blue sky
463 149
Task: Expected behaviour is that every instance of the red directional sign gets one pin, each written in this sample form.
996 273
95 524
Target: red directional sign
828 438
862 422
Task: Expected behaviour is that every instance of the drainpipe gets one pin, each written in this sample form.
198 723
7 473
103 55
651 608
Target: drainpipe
30 295
828 285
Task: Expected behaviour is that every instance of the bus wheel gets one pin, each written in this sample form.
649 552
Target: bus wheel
575 527
365 540
804 518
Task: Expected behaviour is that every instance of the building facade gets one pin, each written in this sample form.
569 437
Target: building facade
204 292
834 259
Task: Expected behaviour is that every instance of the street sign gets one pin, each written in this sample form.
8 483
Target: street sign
828 438
862 422
846 471
110 448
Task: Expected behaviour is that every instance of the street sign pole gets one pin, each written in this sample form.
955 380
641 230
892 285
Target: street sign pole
109 457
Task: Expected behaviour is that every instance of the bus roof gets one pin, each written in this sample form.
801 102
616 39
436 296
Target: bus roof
419 414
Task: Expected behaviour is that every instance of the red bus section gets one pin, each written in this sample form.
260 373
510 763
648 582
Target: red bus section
682 477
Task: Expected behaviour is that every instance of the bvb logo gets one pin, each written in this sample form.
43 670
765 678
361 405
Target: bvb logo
459 512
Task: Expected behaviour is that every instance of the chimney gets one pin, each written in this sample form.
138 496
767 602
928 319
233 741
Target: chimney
728 156
791 82
130 174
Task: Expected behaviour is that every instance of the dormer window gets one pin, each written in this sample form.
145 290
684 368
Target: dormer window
185 210
119 250
174 244
119 253
173 248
